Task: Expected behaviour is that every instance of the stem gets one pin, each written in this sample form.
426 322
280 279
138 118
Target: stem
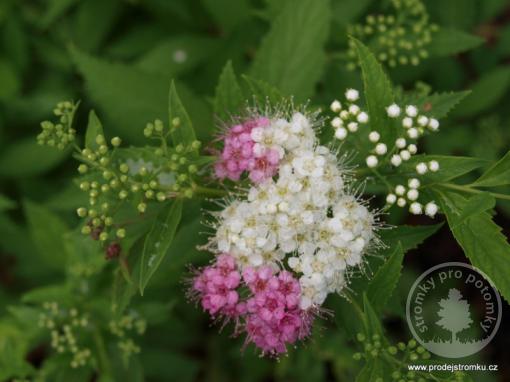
104 363
472 190
207 191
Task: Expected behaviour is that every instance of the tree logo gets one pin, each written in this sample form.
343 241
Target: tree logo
453 310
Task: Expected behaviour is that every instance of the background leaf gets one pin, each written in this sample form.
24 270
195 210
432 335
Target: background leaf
450 41
497 175
229 97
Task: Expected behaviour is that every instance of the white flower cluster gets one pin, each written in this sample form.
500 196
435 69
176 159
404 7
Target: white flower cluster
305 214
350 117
413 125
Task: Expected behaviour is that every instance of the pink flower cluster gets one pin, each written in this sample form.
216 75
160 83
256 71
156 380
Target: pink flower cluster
270 315
238 154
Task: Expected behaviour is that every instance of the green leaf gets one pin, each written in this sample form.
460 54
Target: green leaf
94 128
409 237
238 12
47 231
378 92
450 167
158 241
437 105
373 371
475 205
25 158
450 41
480 238
262 92
184 133
486 93
229 97
291 56
54 10
371 322
497 175
385 280
6 203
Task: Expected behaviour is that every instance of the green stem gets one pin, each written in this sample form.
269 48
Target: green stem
207 191
472 190
104 362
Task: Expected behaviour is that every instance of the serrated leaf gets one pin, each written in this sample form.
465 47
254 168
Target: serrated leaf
25 158
371 321
385 280
184 133
94 128
229 97
486 93
437 105
450 41
158 241
497 175
262 92
475 205
291 56
47 231
450 167
481 240
409 237
378 92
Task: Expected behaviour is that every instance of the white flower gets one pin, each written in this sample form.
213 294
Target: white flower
413 183
400 190
372 161
391 198
337 122
433 165
352 95
354 109
352 126
401 202
433 124
421 168
407 122
405 155
412 148
415 208
422 120
393 110
374 136
396 160
341 133
413 194
431 209
336 106
400 143
362 117
381 149
344 114
413 133
411 111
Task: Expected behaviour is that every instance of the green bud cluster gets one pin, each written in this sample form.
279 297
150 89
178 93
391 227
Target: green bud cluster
397 39
129 323
61 134
401 352
66 326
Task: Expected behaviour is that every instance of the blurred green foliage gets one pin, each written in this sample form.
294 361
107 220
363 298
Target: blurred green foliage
119 57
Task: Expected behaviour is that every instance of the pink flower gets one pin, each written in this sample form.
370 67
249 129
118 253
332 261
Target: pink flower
238 155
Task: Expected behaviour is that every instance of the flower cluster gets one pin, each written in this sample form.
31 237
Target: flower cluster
113 179
59 135
297 225
411 125
130 322
349 117
65 325
397 39
269 314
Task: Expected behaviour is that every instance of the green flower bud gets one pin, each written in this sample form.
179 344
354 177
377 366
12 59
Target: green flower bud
123 194
86 230
82 169
392 350
188 193
158 125
360 337
142 171
182 178
149 194
161 197
105 206
176 122
153 184
108 221
192 169
121 233
82 212
123 178
356 356
107 175
179 148
116 141
92 213
103 149
141 207
103 236
114 183
124 168
135 188
84 186
104 161
99 139
105 188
